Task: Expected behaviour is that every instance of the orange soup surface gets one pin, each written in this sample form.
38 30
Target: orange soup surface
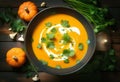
60 41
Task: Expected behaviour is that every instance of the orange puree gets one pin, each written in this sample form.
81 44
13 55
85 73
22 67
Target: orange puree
55 19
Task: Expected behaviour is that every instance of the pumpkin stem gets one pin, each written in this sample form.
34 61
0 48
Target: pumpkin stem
15 58
26 9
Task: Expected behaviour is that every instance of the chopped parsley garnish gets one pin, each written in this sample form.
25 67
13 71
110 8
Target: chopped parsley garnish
71 53
48 40
50 36
80 46
53 30
65 23
66 38
43 39
50 44
48 24
58 67
39 46
66 61
68 53
51 56
88 41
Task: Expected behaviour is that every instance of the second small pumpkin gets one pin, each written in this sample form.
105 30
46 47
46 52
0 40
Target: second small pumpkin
15 57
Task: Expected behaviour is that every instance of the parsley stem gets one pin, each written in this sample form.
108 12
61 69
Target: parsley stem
35 69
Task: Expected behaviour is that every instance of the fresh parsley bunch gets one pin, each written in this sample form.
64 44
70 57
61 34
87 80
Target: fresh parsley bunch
9 16
94 14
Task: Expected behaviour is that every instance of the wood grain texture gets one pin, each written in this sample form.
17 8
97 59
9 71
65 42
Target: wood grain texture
13 77
44 77
110 3
16 3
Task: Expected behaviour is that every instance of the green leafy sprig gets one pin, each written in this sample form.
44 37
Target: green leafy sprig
101 61
9 16
66 38
94 14
17 25
68 52
65 23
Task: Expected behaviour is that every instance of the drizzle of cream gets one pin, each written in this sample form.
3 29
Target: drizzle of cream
62 30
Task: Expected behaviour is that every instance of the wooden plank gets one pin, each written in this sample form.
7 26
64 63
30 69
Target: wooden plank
115 12
92 77
13 77
115 35
116 47
110 76
4 33
110 3
96 77
5 37
19 77
16 3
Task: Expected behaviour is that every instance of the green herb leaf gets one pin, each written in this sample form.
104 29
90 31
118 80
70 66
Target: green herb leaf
65 23
68 53
80 46
50 36
53 30
17 25
48 24
50 44
43 40
51 56
58 67
66 38
66 61
39 46
111 52
72 53
111 67
7 15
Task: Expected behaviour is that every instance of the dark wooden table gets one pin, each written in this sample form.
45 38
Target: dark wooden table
8 75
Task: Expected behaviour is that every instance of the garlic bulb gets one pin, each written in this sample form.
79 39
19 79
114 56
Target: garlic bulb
12 35
36 78
21 38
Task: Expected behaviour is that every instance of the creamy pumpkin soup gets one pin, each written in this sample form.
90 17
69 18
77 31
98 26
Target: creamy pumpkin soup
60 41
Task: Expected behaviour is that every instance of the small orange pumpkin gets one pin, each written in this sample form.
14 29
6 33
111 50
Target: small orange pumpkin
15 57
27 10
